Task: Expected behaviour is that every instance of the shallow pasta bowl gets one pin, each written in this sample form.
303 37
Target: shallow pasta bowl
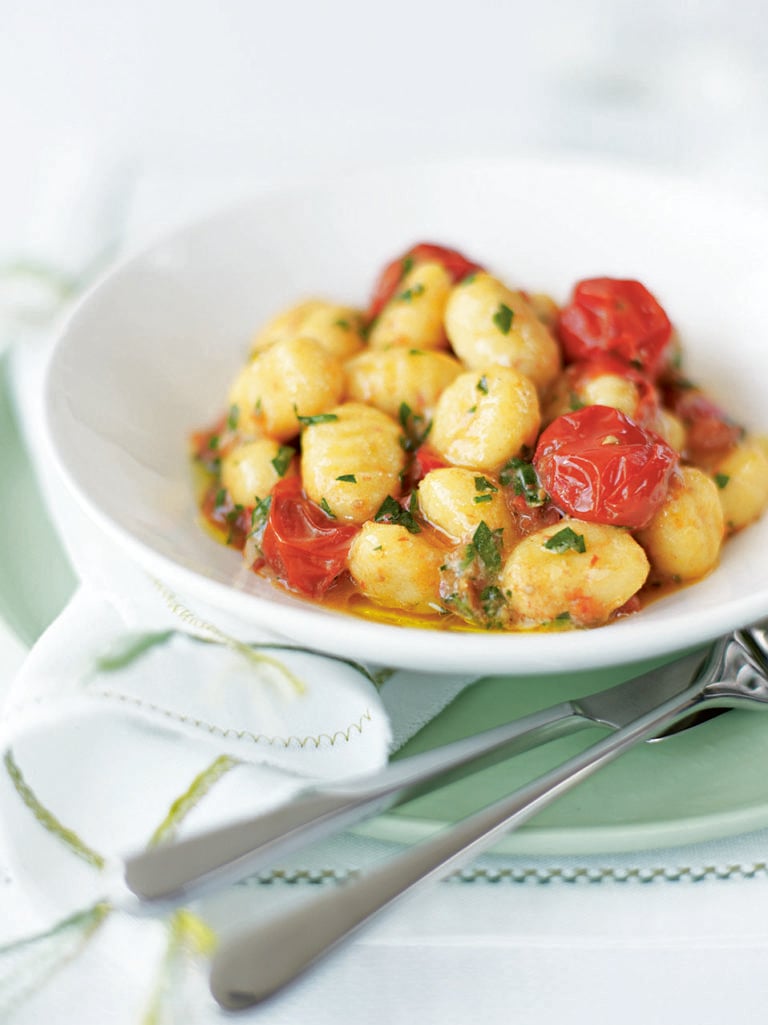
150 353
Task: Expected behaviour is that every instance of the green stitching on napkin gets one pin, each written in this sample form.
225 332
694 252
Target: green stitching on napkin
248 651
292 740
196 791
129 649
189 937
47 819
27 964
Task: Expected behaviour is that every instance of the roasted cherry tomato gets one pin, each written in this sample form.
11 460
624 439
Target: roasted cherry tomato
709 432
427 459
598 465
621 317
458 267
578 375
305 547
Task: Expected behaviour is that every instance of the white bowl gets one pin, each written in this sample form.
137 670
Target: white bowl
150 353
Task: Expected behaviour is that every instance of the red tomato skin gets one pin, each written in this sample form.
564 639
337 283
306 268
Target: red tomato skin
427 459
457 265
305 548
616 316
598 465
709 432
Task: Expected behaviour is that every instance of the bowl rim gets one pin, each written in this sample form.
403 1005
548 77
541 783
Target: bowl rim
512 653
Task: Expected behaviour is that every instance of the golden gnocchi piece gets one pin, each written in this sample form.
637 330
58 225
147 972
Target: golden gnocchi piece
567 395
545 308
337 328
670 428
487 323
684 538
484 418
298 377
414 315
251 470
395 568
456 500
742 483
352 461
387 378
573 569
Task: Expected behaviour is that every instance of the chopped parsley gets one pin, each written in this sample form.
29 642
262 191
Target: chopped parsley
327 509
260 512
407 265
524 480
348 478
485 546
221 498
483 498
213 442
390 511
233 417
503 318
566 540
482 385
721 479
492 601
282 460
483 484
342 324
412 292
415 429
469 278
318 418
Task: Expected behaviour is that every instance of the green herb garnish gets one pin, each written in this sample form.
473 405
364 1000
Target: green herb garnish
483 484
482 385
566 540
327 509
391 511
318 418
412 292
348 478
721 479
233 417
415 430
282 460
260 512
486 546
524 480
503 318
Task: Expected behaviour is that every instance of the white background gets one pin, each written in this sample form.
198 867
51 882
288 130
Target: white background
266 89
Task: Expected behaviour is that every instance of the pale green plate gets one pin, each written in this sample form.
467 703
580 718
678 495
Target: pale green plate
35 576
706 783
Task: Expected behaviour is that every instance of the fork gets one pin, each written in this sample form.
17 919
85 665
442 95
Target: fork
253 965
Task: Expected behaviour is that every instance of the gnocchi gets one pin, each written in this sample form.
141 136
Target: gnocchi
467 453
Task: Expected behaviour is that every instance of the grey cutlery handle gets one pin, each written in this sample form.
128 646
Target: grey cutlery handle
178 871
254 965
